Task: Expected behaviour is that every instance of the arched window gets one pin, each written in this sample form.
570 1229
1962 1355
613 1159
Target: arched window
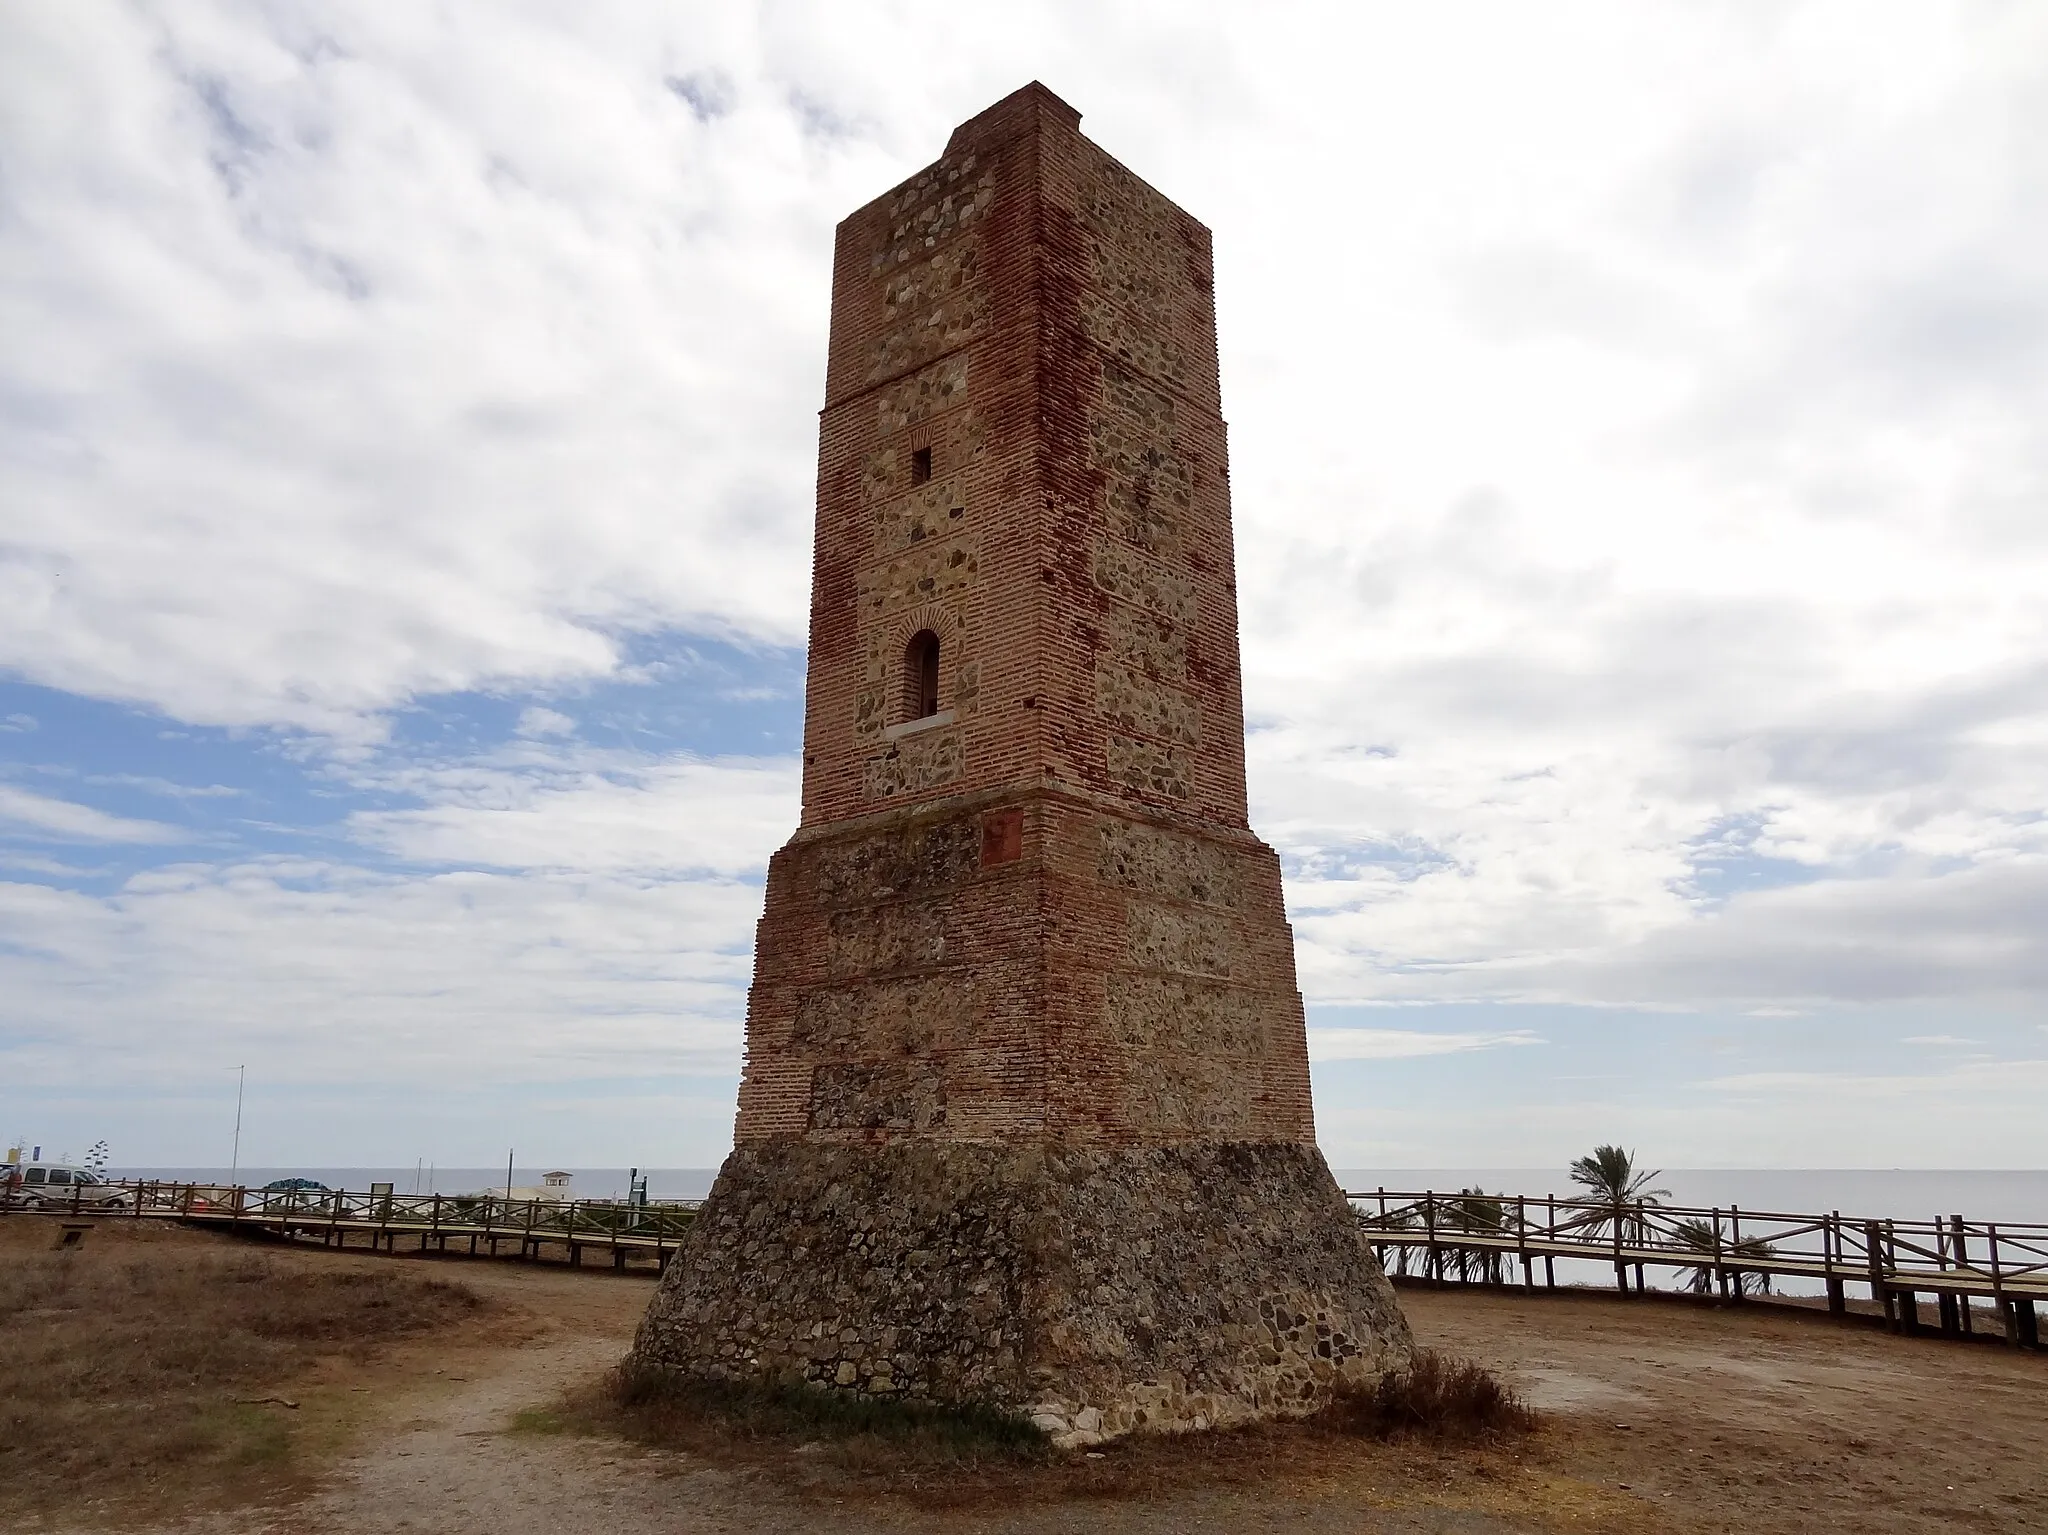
921 675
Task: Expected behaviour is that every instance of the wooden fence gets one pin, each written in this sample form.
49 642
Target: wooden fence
1483 1238
1466 1237
381 1220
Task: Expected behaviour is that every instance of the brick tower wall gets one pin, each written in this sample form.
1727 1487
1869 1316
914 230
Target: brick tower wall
1041 324
1025 1117
1038 913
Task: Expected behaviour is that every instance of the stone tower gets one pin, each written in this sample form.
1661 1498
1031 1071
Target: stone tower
1025 1117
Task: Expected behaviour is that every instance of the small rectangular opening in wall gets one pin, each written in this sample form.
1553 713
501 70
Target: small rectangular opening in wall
920 465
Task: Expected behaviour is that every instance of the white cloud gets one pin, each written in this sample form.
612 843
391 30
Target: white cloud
537 721
574 916
1637 510
343 373
1968 936
591 811
1955 1089
31 863
1405 1044
1938 1039
37 815
322 972
149 783
1980 1115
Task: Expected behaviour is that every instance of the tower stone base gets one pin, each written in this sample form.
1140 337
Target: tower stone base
1098 1290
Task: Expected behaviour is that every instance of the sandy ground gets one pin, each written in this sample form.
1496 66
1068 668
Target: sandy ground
1659 1416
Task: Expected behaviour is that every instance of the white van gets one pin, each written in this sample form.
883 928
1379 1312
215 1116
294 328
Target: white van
54 1186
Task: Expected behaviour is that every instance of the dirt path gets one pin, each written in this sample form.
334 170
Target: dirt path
1659 1417
451 1461
1757 1419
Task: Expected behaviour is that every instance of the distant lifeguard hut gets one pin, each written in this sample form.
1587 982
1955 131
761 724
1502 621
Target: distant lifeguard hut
553 1188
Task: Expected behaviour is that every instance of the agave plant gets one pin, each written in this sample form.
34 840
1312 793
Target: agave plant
1699 1236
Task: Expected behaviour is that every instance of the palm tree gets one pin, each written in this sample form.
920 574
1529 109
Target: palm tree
1477 1211
1393 1220
1619 1193
1610 1173
1700 1237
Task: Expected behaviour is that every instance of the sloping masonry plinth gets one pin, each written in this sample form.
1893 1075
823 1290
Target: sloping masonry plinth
1098 1291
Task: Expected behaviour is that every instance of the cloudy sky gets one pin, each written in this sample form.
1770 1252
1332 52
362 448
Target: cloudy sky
1640 447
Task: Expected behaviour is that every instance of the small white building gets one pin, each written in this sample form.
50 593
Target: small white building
553 1188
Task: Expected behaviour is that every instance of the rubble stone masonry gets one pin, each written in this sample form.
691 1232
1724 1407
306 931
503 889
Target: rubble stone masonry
1025 1117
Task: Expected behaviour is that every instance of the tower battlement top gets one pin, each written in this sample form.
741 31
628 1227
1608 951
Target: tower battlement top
1011 113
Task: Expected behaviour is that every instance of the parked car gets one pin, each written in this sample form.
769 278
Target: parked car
46 1185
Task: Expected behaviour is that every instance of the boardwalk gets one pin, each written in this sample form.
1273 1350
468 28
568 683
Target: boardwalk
1482 1238
1448 1238
474 1225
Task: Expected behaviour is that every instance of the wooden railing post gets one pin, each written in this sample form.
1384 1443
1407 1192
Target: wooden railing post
1429 1235
1945 1298
1959 1245
1550 1233
1642 1224
1838 1301
1905 1303
1735 1245
1522 1241
2007 1312
1620 1273
1880 1292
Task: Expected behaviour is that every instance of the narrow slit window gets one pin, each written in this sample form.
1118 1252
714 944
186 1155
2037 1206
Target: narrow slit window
921 672
920 465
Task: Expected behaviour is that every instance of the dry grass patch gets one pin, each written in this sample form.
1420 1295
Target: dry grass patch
776 1411
1438 1397
136 1369
1448 1417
